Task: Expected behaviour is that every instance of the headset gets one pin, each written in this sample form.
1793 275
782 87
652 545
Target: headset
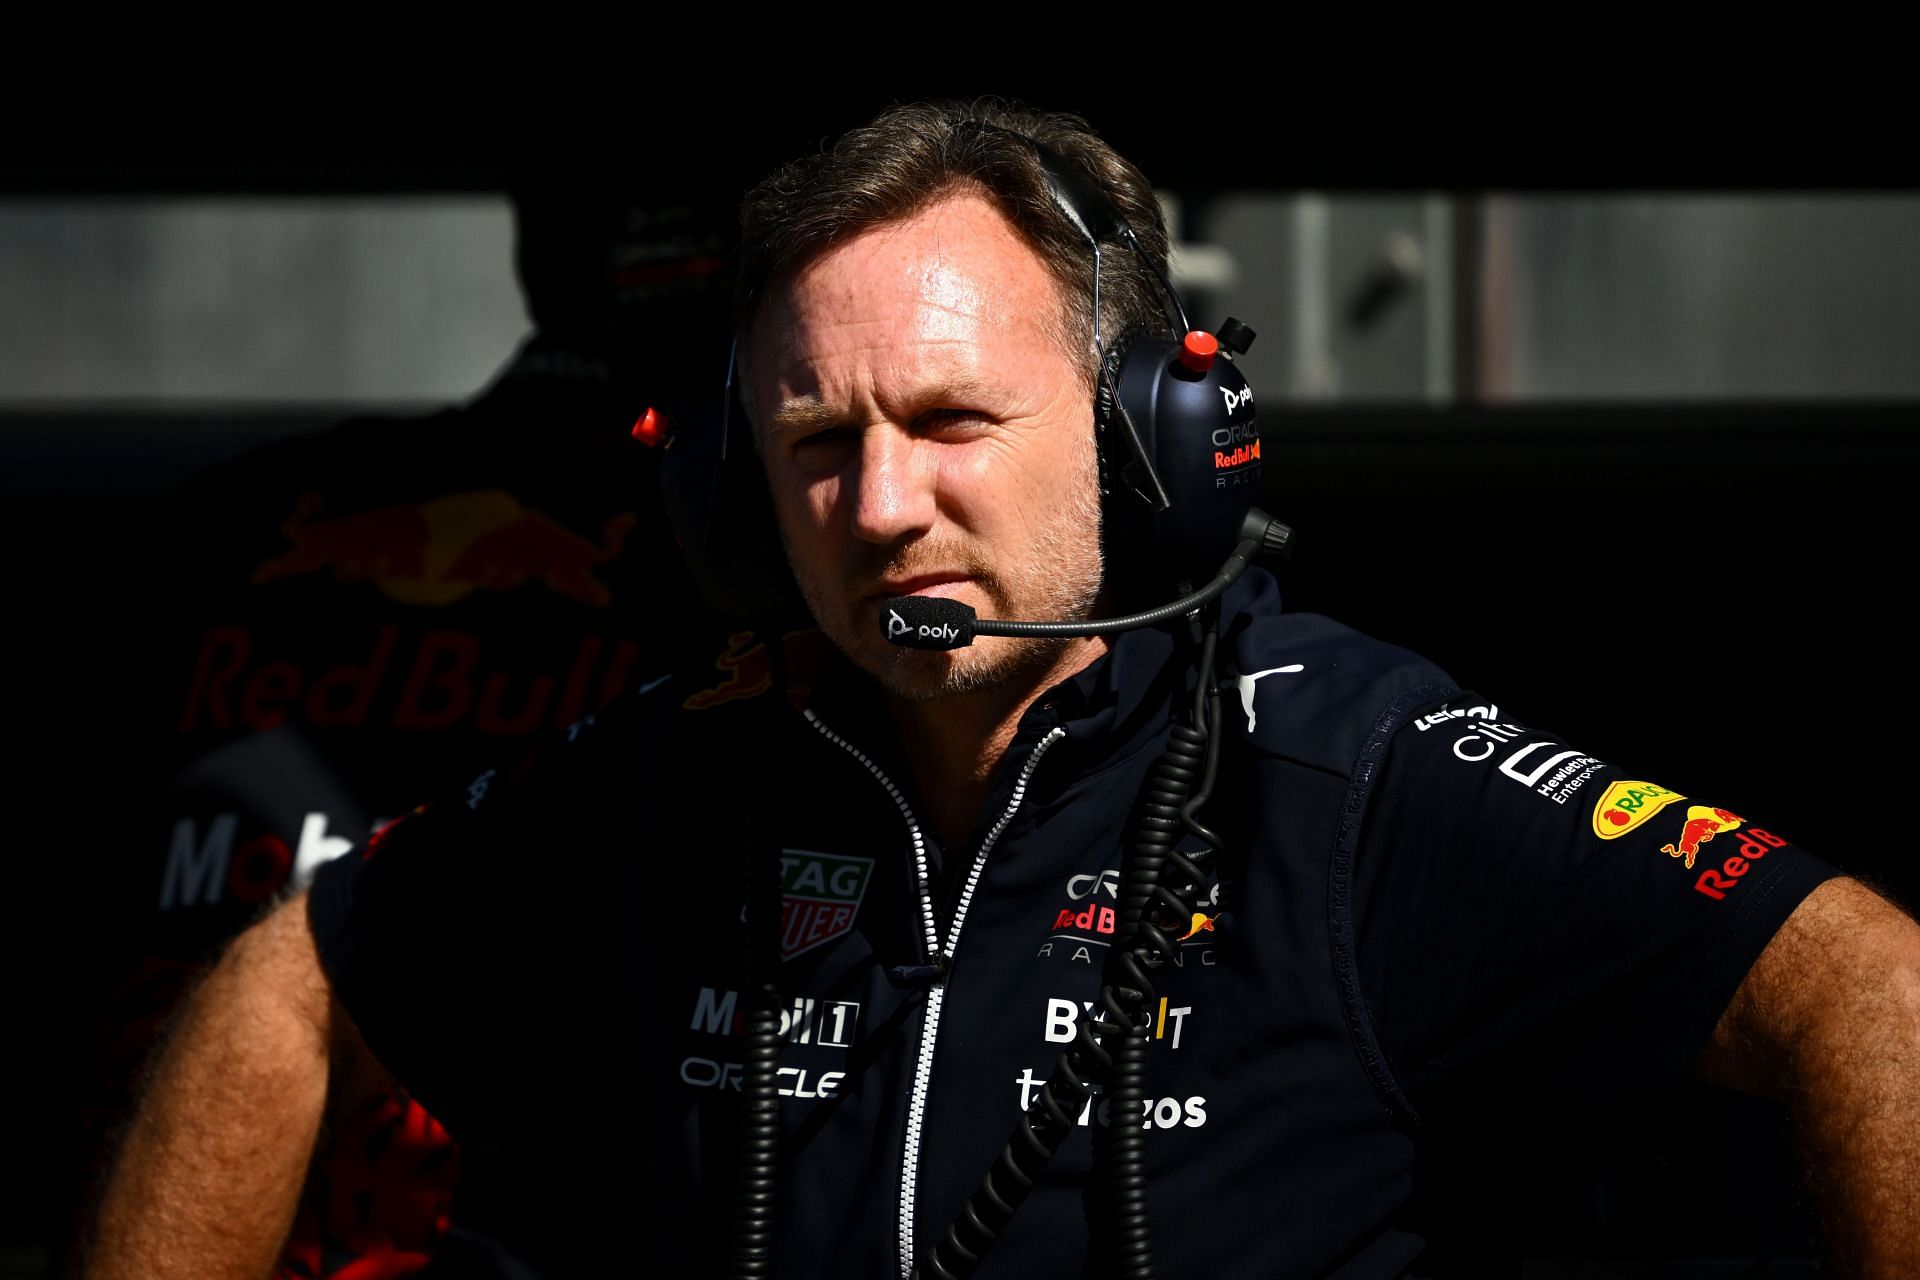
1179 465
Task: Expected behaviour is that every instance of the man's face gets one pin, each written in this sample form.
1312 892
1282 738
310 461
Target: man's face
924 434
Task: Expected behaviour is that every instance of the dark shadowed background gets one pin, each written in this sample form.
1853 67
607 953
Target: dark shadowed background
1614 414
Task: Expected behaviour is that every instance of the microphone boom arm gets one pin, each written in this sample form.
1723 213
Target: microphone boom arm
1235 566
1258 532
936 622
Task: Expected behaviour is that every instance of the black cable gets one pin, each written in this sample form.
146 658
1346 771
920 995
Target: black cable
1147 899
1111 1049
750 1238
1236 565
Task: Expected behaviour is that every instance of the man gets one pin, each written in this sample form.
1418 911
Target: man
1423 919
380 611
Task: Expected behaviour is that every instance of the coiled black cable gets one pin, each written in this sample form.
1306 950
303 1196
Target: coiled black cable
750 1238
1112 1047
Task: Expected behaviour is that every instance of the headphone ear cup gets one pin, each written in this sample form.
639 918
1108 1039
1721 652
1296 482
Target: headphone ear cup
716 500
1200 447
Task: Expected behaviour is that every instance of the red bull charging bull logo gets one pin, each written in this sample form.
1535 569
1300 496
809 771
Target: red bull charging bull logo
436 552
1201 924
748 674
1702 825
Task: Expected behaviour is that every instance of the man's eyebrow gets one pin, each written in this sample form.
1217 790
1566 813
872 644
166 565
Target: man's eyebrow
960 391
805 413
802 414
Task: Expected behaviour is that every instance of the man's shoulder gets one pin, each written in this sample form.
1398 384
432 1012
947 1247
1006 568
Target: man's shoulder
1307 687
688 721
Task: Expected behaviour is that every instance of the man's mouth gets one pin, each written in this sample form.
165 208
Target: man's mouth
922 584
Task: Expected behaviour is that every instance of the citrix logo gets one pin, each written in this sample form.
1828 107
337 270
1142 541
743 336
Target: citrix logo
1234 398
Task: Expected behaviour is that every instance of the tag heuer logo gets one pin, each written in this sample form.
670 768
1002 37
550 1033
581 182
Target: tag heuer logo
820 896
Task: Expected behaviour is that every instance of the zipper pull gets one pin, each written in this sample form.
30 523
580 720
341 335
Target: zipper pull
919 977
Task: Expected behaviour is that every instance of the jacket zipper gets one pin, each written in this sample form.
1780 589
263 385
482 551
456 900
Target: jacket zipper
935 955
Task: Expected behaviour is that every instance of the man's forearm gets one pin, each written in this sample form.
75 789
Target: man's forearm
207 1179
1832 1014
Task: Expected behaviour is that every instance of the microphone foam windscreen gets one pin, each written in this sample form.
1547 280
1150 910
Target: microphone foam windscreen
927 622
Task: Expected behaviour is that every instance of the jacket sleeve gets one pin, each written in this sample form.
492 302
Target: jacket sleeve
476 942
1530 921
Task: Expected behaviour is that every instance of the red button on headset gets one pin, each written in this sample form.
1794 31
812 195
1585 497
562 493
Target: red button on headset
652 428
1198 349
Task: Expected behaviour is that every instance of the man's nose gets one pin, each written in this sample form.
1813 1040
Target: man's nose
893 490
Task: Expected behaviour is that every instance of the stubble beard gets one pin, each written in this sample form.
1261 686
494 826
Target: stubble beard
1057 581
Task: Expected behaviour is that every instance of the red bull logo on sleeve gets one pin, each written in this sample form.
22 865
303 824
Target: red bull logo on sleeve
1755 844
1702 825
438 552
1627 805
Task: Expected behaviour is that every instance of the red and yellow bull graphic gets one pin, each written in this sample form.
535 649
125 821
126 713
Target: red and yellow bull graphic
437 552
749 674
1702 825
1626 805
1201 924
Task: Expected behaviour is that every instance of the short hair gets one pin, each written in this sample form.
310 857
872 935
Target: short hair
915 154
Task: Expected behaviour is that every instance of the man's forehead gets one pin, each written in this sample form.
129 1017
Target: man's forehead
958 236
930 290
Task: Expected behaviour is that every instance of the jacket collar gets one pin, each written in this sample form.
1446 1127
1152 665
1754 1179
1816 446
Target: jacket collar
1111 710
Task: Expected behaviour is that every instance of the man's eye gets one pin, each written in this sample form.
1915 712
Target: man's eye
820 441
949 421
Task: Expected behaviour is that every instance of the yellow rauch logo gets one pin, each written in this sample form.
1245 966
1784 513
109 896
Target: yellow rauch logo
1628 804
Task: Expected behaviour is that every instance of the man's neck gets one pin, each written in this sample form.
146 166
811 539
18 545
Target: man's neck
952 745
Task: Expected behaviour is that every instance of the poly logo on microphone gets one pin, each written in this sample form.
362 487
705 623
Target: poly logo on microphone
927 622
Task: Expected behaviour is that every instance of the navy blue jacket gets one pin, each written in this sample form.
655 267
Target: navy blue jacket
1427 918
